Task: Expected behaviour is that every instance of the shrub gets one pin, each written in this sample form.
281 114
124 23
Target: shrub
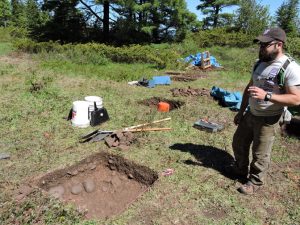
293 47
222 37
93 53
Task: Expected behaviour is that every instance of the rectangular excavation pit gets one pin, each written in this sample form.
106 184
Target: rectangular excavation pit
102 185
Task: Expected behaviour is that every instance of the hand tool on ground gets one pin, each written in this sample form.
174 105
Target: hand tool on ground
203 124
98 135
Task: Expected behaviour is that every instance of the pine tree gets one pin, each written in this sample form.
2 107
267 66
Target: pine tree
5 13
213 10
287 16
252 18
18 17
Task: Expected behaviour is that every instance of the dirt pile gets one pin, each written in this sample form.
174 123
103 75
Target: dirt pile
190 92
186 76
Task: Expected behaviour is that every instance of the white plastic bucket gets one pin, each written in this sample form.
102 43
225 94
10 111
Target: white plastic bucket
80 114
91 100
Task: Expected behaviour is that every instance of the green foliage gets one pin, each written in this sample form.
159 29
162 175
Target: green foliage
287 15
293 47
213 10
100 54
222 37
5 13
252 18
154 21
5 34
40 210
18 17
66 25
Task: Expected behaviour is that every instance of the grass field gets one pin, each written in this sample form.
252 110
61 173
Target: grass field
39 139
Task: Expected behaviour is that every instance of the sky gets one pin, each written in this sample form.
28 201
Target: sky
273 6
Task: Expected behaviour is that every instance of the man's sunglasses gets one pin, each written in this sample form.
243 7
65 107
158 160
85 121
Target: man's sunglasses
266 45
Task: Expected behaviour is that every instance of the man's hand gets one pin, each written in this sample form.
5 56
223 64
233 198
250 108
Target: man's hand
256 92
238 118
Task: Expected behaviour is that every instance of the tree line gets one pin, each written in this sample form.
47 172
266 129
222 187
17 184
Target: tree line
139 21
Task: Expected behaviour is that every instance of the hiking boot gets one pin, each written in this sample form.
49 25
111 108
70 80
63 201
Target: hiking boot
249 188
233 171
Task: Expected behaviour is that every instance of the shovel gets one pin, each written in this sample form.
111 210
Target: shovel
98 135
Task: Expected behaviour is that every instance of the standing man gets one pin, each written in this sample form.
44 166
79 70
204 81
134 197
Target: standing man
266 95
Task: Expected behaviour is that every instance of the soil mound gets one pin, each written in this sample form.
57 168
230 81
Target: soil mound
190 92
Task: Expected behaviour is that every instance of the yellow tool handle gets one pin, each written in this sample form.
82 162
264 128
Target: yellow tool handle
145 124
148 129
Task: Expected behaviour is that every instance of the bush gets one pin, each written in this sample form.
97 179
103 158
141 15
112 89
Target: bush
93 53
222 37
5 34
293 47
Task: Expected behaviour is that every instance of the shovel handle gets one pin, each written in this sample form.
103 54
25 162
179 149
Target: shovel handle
148 129
145 124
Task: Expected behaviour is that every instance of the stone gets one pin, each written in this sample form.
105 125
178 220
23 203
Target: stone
92 166
89 185
76 189
73 172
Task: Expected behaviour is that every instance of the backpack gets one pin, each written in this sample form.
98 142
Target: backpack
294 110
280 74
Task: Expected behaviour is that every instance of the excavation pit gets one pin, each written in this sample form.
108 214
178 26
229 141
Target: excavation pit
101 186
153 102
190 92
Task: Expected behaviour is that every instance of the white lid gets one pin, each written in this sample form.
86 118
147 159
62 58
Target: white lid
93 99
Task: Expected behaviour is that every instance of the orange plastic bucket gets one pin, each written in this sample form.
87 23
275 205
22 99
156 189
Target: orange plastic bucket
163 107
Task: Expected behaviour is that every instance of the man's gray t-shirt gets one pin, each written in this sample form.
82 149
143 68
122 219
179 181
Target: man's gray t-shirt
264 77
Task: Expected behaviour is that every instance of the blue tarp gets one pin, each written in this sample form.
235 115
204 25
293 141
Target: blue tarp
159 80
196 60
232 100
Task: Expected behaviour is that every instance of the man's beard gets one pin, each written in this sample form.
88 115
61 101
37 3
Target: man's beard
264 56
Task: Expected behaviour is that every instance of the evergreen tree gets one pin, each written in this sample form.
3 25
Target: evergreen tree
252 18
213 10
35 17
5 12
18 17
155 20
67 23
287 16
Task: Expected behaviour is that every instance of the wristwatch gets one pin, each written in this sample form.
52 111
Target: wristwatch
268 96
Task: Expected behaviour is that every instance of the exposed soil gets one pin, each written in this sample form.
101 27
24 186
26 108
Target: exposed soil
190 92
186 76
292 129
101 185
152 102
16 58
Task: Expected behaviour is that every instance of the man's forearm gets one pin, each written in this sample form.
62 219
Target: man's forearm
285 99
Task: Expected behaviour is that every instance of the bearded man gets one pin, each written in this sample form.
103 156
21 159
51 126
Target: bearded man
263 102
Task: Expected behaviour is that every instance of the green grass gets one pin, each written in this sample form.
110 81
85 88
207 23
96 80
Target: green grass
39 139
5 48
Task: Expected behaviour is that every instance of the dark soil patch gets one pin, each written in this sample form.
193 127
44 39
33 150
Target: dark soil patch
186 76
292 129
153 102
190 92
101 185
